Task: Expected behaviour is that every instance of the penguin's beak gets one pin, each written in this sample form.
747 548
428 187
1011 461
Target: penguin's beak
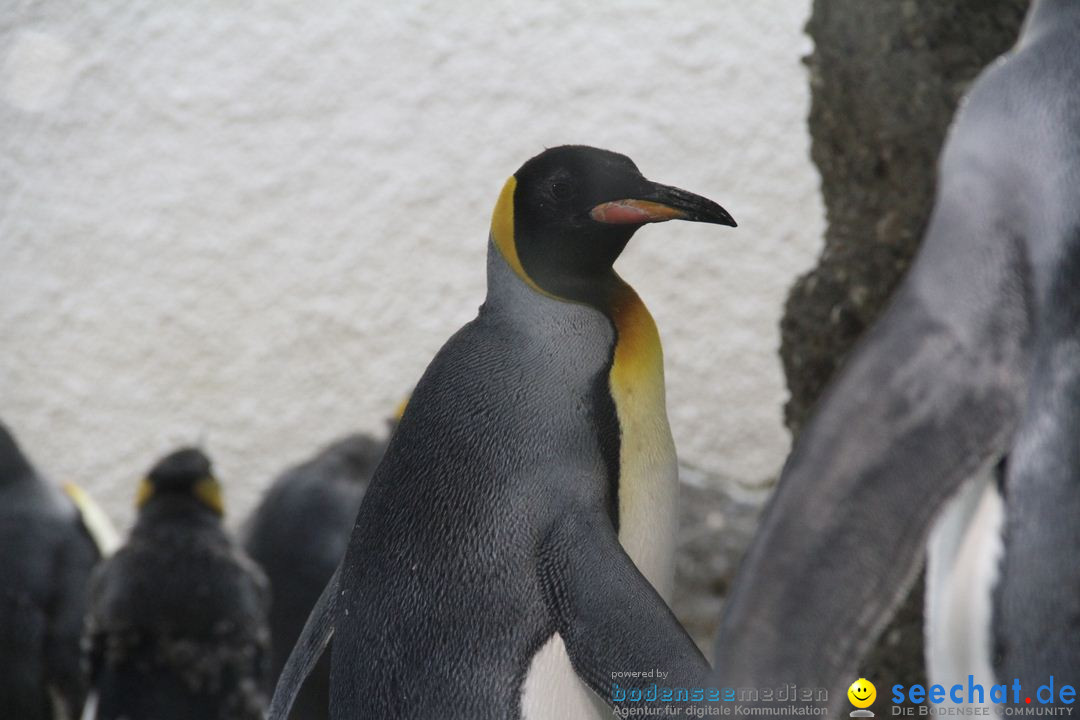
661 203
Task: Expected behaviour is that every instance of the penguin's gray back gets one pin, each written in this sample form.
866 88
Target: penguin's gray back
511 425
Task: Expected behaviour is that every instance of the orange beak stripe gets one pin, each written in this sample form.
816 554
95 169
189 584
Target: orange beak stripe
634 212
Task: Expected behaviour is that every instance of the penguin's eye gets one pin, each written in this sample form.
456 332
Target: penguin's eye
561 190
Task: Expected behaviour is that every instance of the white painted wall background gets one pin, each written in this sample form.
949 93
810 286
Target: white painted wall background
253 226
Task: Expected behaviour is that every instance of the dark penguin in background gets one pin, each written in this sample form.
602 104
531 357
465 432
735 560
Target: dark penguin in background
533 462
49 544
977 358
177 625
298 534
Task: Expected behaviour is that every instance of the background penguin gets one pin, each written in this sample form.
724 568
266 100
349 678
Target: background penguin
977 358
298 534
48 548
177 622
531 470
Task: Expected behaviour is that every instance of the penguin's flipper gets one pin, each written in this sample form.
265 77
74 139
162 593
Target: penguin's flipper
607 613
930 397
308 649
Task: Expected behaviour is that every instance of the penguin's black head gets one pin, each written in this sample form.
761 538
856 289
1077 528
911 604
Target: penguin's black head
186 472
566 215
359 454
13 464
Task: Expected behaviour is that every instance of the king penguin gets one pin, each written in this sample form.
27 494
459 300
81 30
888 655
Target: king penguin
177 624
50 540
297 535
523 513
976 360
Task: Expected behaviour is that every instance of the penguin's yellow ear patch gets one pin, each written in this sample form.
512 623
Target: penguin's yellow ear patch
399 411
502 232
502 226
144 493
208 492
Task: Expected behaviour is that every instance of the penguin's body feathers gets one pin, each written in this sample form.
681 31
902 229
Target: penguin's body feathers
183 603
46 558
177 621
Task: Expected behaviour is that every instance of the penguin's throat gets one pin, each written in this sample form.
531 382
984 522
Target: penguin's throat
602 289
579 268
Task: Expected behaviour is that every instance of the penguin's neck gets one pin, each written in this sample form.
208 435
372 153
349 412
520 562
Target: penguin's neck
637 357
510 286
648 473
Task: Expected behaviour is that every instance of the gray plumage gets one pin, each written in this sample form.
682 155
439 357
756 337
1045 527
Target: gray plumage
46 557
977 357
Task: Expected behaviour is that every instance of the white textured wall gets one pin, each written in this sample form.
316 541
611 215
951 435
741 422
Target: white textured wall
254 226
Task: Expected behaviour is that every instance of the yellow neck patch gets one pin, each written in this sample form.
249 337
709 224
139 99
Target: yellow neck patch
648 474
502 233
399 411
639 357
206 490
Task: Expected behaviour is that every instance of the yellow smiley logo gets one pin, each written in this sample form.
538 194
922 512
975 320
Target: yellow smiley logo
862 693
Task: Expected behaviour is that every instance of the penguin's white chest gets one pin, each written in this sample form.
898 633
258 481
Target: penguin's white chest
963 559
648 493
648 467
